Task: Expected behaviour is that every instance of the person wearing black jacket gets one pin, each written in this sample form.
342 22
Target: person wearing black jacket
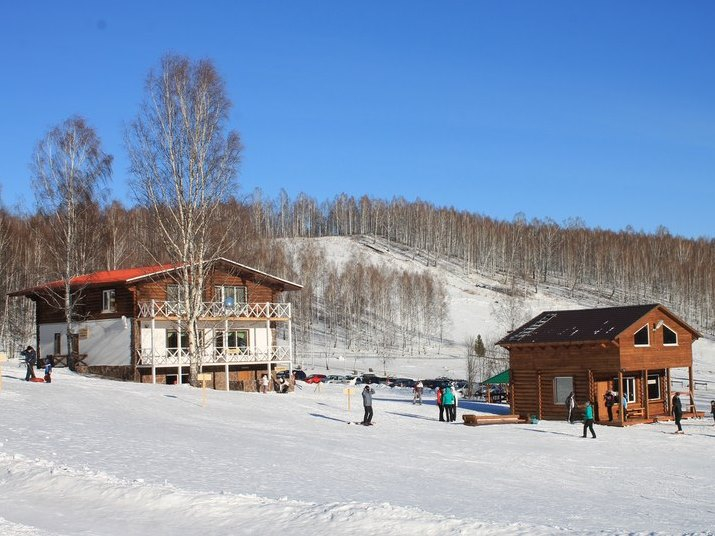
677 412
30 359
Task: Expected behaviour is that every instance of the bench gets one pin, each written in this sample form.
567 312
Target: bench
635 411
478 420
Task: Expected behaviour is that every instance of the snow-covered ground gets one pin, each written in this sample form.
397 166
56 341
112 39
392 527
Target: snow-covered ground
85 455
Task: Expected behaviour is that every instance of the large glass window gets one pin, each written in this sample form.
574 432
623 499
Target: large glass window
654 387
641 337
230 295
109 300
236 339
670 337
563 386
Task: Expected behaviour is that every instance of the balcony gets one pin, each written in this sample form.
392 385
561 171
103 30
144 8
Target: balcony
175 358
217 310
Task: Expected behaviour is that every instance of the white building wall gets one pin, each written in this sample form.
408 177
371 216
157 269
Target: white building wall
108 342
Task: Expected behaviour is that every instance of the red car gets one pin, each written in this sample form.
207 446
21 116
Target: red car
315 378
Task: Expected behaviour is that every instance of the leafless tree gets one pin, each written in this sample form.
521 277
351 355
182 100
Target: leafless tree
70 171
184 165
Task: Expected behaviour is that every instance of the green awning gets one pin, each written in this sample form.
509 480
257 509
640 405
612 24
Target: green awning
502 377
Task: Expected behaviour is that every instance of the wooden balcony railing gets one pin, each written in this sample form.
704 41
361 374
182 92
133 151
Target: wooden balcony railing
166 309
231 355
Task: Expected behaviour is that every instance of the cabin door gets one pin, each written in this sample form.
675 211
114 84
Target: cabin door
601 388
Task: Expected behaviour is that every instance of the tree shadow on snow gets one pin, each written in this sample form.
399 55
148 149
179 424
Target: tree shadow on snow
549 432
326 417
411 415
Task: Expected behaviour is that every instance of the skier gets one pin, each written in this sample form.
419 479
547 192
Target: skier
677 412
588 420
367 403
570 405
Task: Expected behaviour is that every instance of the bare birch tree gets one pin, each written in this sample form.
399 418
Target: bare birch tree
70 171
184 164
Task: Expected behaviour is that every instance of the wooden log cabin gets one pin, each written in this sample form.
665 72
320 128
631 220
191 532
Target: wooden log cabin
129 325
629 350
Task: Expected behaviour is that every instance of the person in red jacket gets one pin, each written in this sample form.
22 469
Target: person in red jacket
439 403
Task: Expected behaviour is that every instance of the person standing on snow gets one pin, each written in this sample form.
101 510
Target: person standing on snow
712 410
440 404
570 405
588 420
264 384
30 359
448 400
367 404
417 396
677 412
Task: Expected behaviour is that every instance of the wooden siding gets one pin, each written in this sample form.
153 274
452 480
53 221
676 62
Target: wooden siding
89 306
656 355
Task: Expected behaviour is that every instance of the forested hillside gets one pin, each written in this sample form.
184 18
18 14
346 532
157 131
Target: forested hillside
360 304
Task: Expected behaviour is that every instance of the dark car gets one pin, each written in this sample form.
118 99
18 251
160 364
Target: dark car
297 374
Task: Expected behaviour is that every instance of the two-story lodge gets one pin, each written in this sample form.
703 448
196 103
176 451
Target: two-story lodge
130 325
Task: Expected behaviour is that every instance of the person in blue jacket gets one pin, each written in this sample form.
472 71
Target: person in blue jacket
588 420
449 401
48 370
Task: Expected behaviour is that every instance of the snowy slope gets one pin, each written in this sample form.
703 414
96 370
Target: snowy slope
91 456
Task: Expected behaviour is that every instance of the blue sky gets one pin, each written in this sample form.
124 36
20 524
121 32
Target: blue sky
603 111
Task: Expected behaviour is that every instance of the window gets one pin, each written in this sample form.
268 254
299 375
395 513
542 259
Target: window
173 293
653 386
175 343
109 301
641 337
629 387
670 337
563 385
237 338
230 295
58 344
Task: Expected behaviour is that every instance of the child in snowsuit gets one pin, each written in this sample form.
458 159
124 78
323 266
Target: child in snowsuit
48 371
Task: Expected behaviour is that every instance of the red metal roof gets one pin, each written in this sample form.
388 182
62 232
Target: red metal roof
106 277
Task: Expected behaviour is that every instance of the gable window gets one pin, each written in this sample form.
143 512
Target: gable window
654 387
230 295
109 301
670 337
642 337
563 385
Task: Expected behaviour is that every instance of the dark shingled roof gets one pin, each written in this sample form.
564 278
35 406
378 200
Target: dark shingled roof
577 325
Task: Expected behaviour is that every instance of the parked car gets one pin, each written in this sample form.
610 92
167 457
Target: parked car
315 378
334 378
297 374
401 382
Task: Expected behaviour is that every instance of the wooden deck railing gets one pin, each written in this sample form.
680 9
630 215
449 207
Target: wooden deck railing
231 355
167 309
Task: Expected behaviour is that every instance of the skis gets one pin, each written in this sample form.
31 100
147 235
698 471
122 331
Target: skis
360 423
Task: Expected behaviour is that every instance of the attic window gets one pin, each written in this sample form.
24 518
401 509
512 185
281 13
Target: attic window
670 337
641 337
